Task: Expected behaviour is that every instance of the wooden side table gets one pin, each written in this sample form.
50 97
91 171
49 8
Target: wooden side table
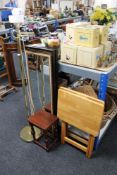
82 112
48 125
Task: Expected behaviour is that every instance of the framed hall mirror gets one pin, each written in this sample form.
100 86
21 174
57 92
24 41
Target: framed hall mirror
41 80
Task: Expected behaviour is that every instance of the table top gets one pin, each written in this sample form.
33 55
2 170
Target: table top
33 48
42 119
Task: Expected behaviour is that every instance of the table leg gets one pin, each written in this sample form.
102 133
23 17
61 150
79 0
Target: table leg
63 131
46 140
90 146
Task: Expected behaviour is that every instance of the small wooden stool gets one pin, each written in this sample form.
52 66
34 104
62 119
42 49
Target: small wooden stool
48 124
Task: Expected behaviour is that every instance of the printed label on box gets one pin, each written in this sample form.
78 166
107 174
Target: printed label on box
83 38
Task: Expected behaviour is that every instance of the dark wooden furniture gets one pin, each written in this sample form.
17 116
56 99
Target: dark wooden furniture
46 119
48 125
3 73
8 50
52 54
4 90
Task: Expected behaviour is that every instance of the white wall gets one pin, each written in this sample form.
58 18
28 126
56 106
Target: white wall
110 3
68 3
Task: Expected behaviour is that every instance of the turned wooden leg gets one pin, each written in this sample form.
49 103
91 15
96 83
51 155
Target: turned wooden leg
32 131
90 146
46 140
56 130
63 131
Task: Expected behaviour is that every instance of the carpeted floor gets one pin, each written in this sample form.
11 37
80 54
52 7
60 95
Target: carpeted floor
20 158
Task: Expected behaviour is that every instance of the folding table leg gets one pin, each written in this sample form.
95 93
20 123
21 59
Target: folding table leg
90 146
63 131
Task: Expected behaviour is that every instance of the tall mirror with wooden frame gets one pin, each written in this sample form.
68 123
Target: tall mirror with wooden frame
41 81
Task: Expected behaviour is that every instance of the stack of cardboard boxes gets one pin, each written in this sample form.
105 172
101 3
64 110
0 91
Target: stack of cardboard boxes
86 45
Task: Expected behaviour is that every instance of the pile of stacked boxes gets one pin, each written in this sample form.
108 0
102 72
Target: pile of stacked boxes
86 45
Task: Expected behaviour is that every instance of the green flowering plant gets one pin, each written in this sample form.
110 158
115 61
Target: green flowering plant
103 16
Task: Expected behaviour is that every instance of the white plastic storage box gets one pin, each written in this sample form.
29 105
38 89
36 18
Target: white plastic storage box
89 57
68 53
87 35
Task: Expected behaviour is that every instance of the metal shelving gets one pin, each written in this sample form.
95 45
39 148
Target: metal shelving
86 72
62 20
77 18
100 76
81 71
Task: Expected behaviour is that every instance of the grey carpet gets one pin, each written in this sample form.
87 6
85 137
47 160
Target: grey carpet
20 158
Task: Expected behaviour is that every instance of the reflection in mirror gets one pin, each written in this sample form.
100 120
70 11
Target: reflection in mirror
41 83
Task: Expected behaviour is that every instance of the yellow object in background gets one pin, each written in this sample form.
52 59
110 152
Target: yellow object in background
54 13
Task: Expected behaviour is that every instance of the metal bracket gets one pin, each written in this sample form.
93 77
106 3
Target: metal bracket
102 96
103 86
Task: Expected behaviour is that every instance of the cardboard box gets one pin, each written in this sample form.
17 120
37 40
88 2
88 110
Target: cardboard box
87 36
103 34
68 53
89 57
